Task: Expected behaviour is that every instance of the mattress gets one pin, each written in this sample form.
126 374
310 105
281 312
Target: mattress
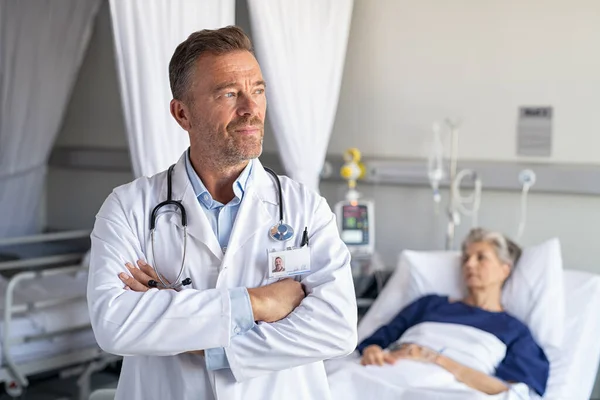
55 287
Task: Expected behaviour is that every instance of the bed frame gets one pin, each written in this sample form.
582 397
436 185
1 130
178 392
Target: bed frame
83 362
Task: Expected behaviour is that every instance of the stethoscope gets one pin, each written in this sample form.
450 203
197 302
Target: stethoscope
280 231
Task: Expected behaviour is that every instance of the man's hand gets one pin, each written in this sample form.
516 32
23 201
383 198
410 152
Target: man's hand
276 301
138 282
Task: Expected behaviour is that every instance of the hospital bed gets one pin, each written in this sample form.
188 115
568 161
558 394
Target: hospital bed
573 367
45 325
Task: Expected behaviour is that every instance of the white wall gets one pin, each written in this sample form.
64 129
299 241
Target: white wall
410 63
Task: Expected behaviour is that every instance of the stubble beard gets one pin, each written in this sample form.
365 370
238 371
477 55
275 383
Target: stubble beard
225 150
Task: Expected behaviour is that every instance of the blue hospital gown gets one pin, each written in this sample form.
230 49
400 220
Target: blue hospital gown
524 362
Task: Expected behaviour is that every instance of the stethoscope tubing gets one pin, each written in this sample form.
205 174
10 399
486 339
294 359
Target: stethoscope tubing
180 206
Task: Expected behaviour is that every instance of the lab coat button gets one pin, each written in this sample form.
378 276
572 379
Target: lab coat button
236 330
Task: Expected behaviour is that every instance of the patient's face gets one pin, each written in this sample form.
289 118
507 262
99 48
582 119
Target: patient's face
482 268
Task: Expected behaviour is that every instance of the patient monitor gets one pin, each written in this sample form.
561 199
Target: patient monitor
355 217
356 223
356 220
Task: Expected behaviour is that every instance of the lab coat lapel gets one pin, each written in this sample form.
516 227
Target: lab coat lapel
254 217
198 225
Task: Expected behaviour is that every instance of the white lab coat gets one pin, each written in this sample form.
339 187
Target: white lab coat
155 329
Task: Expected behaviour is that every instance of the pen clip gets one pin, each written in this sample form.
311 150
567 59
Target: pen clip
304 237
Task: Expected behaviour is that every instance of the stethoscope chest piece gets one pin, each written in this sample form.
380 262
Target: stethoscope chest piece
281 232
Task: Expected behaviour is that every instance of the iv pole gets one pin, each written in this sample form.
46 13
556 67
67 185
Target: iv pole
452 213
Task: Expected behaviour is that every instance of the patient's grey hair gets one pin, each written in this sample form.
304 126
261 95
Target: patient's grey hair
507 251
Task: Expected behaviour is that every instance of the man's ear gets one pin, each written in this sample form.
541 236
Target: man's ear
181 113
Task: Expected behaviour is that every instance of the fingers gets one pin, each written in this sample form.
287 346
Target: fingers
390 358
374 356
148 270
138 274
131 283
379 358
138 280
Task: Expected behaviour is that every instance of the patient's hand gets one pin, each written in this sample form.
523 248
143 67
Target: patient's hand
373 355
413 352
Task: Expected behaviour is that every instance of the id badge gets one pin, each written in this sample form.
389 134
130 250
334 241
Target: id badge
287 263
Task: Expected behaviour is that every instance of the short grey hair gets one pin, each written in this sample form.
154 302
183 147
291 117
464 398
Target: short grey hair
217 41
506 250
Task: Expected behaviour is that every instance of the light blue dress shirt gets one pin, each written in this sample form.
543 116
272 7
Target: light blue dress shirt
221 218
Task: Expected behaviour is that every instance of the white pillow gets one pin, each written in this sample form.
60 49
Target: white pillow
534 293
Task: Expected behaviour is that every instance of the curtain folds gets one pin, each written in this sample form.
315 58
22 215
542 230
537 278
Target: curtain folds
146 34
301 46
42 45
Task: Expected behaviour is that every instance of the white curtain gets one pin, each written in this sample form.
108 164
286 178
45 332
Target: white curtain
42 43
146 33
301 46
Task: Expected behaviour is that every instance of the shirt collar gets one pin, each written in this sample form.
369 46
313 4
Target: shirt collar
202 194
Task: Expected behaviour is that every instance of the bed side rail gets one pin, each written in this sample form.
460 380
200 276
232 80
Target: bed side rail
10 309
45 237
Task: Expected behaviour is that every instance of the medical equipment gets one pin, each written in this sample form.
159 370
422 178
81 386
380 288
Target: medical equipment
45 326
457 203
280 231
435 166
527 179
356 223
163 283
356 218
461 202
352 170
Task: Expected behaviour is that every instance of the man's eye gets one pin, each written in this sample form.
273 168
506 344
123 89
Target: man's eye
230 94
260 91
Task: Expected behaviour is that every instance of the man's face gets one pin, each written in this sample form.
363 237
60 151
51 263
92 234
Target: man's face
278 262
227 106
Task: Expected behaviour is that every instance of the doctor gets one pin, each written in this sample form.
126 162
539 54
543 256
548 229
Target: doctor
235 332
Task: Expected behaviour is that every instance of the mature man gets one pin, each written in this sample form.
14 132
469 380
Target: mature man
234 332
278 267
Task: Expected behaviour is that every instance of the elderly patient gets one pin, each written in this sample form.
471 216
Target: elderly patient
472 338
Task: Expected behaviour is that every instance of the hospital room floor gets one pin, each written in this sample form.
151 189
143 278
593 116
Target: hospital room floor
52 388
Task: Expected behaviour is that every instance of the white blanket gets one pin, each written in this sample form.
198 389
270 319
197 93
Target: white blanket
411 380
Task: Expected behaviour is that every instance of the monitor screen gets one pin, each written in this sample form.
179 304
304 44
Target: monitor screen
355 224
